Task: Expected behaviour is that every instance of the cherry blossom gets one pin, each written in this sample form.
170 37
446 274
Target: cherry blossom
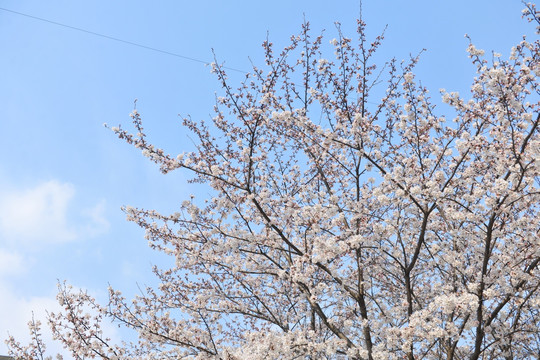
342 225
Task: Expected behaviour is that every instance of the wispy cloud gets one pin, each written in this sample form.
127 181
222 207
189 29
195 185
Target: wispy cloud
38 213
11 263
96 223
46 214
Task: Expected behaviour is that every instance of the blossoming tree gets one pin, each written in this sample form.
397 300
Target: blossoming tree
342 225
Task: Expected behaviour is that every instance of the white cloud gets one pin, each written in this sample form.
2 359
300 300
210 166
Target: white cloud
98 223
44 214
10 263
38 213
48 214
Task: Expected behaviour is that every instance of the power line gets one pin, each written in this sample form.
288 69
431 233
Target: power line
117 39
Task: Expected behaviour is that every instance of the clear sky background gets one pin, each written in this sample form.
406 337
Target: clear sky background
64 177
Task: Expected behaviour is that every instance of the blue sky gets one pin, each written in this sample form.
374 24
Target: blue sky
64 177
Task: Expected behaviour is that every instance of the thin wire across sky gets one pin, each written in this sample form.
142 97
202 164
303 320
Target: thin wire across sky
117 39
